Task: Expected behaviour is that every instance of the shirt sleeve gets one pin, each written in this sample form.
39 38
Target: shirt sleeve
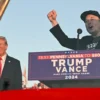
63 39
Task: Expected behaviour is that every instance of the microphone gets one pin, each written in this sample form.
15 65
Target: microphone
79 31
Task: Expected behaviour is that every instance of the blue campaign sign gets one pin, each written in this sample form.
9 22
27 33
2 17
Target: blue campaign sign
63 65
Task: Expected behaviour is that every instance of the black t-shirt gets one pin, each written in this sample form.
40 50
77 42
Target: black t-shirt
85 43
94 43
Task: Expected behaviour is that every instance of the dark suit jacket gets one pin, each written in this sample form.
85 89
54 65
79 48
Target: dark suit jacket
11 78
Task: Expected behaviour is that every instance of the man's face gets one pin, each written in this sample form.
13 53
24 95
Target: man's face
3 47
92 23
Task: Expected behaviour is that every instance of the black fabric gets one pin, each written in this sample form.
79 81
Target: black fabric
84 14
71 43
94 43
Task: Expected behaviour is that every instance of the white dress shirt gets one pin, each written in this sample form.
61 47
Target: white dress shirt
3 61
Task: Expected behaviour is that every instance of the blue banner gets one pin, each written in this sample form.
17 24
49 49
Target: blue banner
64 65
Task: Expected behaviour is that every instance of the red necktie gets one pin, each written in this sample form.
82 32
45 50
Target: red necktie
0 66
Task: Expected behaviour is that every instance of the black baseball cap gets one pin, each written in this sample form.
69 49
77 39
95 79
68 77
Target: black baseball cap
93 12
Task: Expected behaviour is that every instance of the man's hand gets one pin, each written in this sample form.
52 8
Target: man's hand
52 15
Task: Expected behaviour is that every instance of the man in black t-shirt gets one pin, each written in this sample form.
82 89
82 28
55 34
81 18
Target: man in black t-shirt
92 23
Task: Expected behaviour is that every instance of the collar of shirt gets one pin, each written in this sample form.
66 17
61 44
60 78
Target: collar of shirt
4 58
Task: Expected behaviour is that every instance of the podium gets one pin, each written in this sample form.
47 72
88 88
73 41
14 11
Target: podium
65 69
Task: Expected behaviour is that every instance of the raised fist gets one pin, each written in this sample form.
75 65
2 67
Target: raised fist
52 15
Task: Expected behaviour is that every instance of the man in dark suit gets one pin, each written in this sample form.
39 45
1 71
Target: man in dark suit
10 69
